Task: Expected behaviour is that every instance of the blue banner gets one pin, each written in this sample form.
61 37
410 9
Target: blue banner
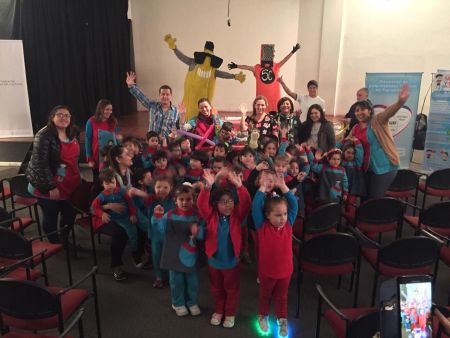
437 142
383 91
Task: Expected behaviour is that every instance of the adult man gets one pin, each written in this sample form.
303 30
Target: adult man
163 115
361 95
305 101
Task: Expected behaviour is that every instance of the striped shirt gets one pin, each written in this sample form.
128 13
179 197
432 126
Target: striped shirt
160 121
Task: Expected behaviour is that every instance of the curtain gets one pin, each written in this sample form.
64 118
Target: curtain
76 52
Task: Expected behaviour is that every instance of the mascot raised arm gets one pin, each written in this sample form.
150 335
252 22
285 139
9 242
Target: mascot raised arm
200 80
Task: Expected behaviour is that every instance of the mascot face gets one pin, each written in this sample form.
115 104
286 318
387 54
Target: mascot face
204 70
267 75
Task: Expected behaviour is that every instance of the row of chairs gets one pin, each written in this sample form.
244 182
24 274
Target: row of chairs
323 246
59 308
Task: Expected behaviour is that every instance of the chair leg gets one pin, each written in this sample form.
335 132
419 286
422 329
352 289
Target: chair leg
352 281
69 265
94 252
299 283
339 282
45 272
319 317
357 272
97 310
80 328
74 243
374 290
38 221
99 239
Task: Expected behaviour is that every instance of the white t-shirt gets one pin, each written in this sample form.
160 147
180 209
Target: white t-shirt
307 101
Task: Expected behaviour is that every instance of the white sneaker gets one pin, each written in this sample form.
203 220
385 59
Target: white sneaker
216 319
263 323
180 310
194 310
282 327
228 322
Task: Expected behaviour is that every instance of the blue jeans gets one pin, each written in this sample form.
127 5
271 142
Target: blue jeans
183 288
50 211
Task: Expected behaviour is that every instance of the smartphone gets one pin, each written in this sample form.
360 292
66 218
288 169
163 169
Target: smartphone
415 310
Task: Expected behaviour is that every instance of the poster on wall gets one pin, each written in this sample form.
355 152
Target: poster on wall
437 141
383 91
15 118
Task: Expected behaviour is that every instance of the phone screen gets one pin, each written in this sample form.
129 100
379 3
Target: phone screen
415 309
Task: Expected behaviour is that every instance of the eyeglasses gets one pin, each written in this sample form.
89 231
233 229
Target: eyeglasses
226 202
63 115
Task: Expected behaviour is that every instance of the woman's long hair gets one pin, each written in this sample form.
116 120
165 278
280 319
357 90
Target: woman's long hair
304 130
101 105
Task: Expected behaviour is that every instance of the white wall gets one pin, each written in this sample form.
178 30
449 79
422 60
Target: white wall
392 36
341 41
192 22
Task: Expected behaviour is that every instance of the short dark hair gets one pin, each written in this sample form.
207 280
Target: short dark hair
140 173
247 150
183 189
172 145
163 178
201 156
151 134
312 83
106 175
165 87
219 159
217 194
159 154
364 105
271 202
221 145
228 126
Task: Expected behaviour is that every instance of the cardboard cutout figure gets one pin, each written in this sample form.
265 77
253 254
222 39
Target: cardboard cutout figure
266 74
201 77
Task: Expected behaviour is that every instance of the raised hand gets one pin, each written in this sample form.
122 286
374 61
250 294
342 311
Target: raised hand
158 210
243 109
295 48
209 177
319 154
170 41
404 94
131 79
301 176
232 65
235 179
262 166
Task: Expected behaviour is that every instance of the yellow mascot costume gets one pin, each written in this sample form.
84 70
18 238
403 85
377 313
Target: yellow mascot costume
200 80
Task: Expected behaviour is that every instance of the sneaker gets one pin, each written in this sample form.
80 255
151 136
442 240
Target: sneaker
228 322
263 323
180 310
118 274
194 310
216 319
282 327
138 262
158 283
245 258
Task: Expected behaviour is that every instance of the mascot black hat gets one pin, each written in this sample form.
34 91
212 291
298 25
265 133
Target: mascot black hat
199 57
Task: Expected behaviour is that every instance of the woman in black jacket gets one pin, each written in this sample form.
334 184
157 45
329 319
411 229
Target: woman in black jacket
53 172
317 131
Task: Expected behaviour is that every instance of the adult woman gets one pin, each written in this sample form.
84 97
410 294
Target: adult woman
205 120
286 118
316 131
259 120
53 170
101 129
381 158
120 161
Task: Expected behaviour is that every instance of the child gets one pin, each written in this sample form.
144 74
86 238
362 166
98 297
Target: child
353 159
298 169
152 147
333 183
247 161
134 147
273 218
218 163
197 161
179 254
223 243
112 193
220 150
226 135
160 159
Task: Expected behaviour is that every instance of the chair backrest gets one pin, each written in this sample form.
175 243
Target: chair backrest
330 249
81 197
323 218
16 296
380 211
439 179
13 245
410 253
437 215
404 181
19 186
364 326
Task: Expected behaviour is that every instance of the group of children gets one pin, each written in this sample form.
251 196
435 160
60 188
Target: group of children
195 207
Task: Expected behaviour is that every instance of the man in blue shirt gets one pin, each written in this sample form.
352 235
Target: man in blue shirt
163 115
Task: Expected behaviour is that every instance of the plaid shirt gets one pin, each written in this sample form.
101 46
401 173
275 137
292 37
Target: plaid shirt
160 121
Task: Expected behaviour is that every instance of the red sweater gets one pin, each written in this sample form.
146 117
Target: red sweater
275 251
211 216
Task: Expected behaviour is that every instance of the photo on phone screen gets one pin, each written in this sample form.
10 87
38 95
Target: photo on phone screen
415 307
